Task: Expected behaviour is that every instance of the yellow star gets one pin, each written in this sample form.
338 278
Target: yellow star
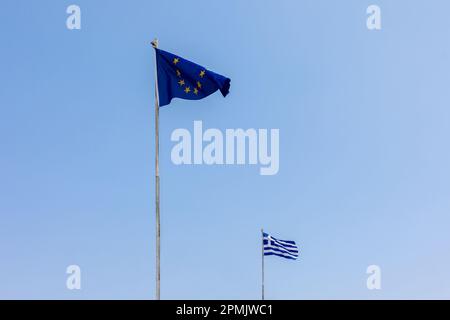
187 90
195 90
202 73
181 82
178 73
176 60
199 85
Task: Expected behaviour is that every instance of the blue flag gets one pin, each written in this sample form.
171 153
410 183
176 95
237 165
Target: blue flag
180 78
281 248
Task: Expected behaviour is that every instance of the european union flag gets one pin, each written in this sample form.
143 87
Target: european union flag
180 78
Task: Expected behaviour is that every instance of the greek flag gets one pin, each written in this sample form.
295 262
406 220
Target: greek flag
282 248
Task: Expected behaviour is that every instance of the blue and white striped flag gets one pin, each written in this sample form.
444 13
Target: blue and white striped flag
282 248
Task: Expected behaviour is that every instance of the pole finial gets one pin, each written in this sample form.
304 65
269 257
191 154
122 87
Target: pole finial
155 43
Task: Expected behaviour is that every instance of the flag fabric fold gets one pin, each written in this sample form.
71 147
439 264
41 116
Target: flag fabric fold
281 248
180 78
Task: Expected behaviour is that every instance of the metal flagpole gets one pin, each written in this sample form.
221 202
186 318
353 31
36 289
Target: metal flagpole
262 264
158 226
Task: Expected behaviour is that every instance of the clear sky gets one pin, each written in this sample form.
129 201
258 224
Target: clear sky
364 154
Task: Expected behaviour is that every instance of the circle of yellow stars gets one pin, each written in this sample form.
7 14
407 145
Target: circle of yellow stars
182 83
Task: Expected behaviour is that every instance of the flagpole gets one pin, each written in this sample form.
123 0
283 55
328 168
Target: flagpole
262 264
158 226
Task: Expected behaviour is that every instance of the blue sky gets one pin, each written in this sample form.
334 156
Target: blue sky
364 125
